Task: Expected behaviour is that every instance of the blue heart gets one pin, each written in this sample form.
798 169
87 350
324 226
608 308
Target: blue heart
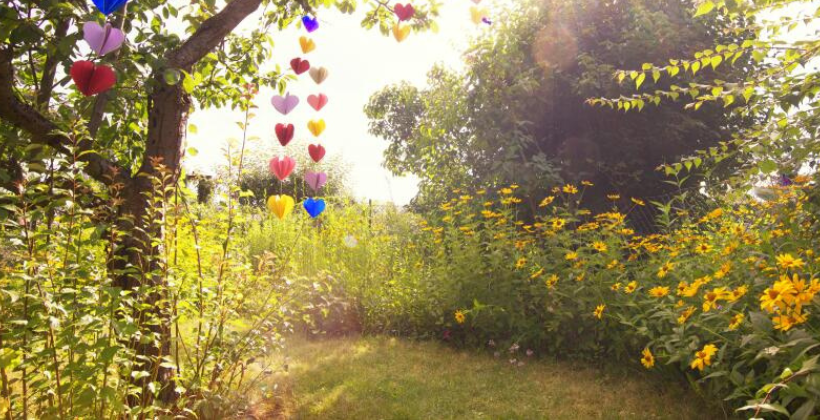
109 6
314 207
311 24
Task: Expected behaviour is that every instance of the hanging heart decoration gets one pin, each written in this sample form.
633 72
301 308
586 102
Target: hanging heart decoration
404 12
307 44
108 6
311 24
299 66
316 127
282 167
315 180
478 14
284 133
285 104
314 207
102 40
92 79
281 205
318 74
316 152
317 101
400 32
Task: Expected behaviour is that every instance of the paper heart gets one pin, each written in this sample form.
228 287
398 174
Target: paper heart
404 12
299 66
102 40
316 152
478 14
311 24
307 44
91 79
108 6
317 102
281 205
314 207
318 75
316 127
284 104
282 167
315 180
284 133
401 32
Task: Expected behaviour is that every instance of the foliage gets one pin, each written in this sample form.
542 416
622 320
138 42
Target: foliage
517 112
779 94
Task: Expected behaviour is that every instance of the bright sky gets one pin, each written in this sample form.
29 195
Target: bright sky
359 63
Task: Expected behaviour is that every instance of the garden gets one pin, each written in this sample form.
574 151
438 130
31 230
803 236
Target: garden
462 209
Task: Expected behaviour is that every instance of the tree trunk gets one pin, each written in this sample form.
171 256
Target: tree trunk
167 121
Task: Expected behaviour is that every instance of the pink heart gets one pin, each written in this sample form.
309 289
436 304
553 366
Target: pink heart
283 167
102 40
284 104
315 180
317 102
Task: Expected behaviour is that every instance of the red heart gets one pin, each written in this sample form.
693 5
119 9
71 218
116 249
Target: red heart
91 79
317 102
284 133
299 66
404 12
317 152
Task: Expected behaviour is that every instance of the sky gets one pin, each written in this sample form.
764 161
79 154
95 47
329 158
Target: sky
359 63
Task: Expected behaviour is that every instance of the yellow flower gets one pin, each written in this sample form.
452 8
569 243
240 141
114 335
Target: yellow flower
703 357
557 223
659 291
777 297
587 183
514 186
552 281
665 269
546 201
571 256
459 317
537 274
686 314
599 311
613 197
638 201
599 246
785 322
520 263
631 286
647 358
703 248
506 191
736 321
787 261
570 189
711 298
615 287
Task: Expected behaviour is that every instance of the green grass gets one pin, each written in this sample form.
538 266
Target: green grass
388 378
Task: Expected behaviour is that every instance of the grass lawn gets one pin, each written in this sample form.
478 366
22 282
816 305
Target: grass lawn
387 378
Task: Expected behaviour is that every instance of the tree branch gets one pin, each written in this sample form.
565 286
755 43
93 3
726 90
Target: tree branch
211 33
50 69
23 116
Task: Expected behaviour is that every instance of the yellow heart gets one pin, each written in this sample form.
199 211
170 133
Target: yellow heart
477 14
307 44
401 32
280 205
316 127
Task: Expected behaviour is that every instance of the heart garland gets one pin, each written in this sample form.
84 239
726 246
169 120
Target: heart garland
307 44
316 152
314 207
284 104
109 6
102 40
284 133
282 167
317 101
404 12
316 127
92 79
318 74
299 66
315 180
281 205
310 24
400 32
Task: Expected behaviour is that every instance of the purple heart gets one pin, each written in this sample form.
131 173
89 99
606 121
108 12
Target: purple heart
315 180
102 40
311 24
284 104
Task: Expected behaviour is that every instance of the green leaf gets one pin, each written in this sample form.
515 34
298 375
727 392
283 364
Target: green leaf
704 8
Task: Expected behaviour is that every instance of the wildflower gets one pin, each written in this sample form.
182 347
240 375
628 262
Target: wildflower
711 298
638 201
587 183
506 191
659 291
778 296
570 189
557 223
631 286
738 293
537 274
736 321
703 357
459 317
613 197
787 261
615 287
703 248
546 201
647 358
571 256
599 246
686 314
551 281
785 322
514 186
665 269
521 263
481 192
599 311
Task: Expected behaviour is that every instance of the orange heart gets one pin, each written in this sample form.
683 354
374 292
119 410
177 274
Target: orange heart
307 44
316 127
400 32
